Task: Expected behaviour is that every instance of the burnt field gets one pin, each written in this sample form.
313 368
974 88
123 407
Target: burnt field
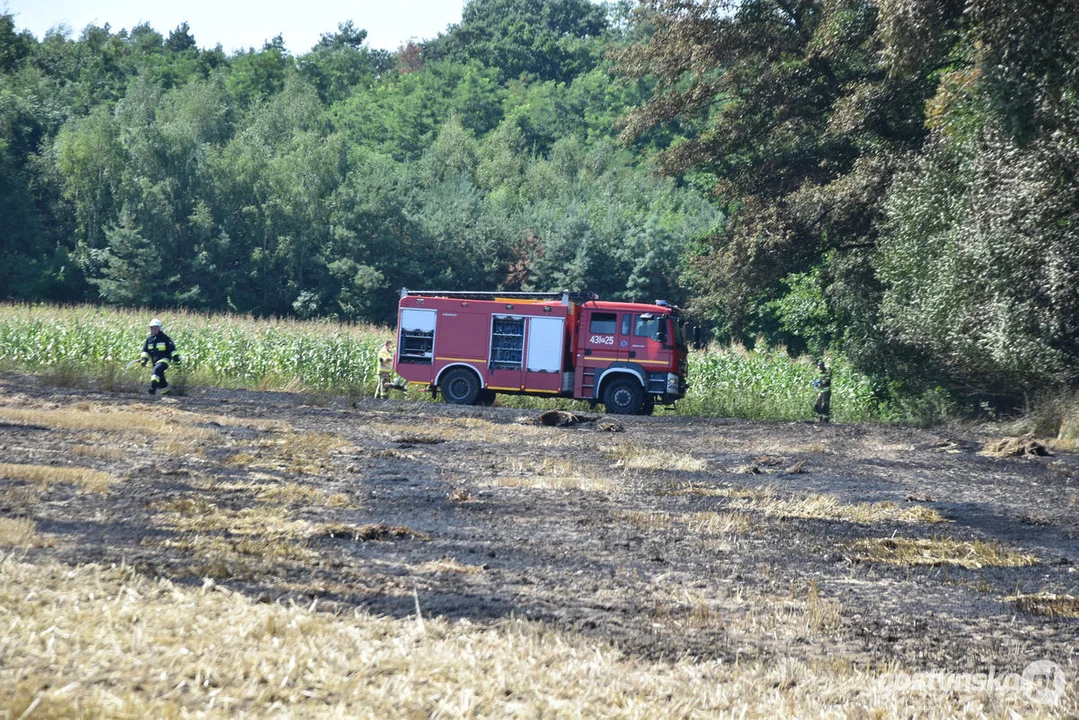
672 539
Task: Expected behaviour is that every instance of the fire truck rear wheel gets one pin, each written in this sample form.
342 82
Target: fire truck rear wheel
623 396
461 387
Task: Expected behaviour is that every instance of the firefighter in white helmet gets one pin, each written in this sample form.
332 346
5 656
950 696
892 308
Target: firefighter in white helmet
161 352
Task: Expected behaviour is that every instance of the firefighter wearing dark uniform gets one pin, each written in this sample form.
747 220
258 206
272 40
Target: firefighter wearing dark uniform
822 408
161 352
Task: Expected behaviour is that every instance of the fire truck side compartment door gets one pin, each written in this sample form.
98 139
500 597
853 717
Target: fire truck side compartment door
417 331
544 344
414 319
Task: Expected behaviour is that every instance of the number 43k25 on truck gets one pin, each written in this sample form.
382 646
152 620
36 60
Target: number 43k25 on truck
471 345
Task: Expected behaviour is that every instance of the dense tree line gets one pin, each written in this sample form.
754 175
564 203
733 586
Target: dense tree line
900 176
890 179
140 170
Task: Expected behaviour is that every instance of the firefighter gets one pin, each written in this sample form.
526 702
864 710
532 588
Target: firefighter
385 373
385 369
161 351
822 408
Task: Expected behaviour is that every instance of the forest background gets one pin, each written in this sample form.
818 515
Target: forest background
892 182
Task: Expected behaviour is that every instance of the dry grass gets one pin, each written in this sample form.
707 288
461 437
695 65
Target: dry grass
1046 604
93 642
744 614
636 457
1025 446
645 518
240 459
826 507
717 523
449 565
20 498
186 448
803 613
145 420
554 473
85 479
290 493
102 452
195 515
940 551
767 501
243 556
723 490
306 453
224 543
19 533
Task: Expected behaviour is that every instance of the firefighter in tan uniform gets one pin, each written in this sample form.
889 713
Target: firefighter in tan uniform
386 381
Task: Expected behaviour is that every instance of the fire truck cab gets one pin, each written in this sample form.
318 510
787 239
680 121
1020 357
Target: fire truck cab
471 345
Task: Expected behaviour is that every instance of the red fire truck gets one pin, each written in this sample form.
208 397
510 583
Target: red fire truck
471 345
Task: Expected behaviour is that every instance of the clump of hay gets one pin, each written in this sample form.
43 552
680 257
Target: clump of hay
1025 446
826 507
940 551
1046 604
86 479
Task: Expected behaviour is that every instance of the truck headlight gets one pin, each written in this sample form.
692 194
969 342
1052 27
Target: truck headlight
672 384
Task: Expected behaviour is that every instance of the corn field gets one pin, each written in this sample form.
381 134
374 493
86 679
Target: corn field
768 384
218 350
80 342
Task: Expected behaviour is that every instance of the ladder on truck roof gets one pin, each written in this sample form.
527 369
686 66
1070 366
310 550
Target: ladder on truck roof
564 296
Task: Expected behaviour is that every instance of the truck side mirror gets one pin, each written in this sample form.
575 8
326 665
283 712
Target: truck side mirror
661 331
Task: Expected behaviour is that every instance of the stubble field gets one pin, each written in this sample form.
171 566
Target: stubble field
243 553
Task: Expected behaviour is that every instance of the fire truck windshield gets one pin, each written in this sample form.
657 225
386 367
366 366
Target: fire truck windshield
650 326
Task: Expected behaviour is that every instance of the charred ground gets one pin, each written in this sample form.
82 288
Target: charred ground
668 536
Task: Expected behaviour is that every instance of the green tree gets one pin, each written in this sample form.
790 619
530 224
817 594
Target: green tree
255 76
180 39
546 40
14 47
340 63
790 107
402 116
128 269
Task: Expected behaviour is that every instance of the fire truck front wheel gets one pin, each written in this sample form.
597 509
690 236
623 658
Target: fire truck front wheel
623 396
461 387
